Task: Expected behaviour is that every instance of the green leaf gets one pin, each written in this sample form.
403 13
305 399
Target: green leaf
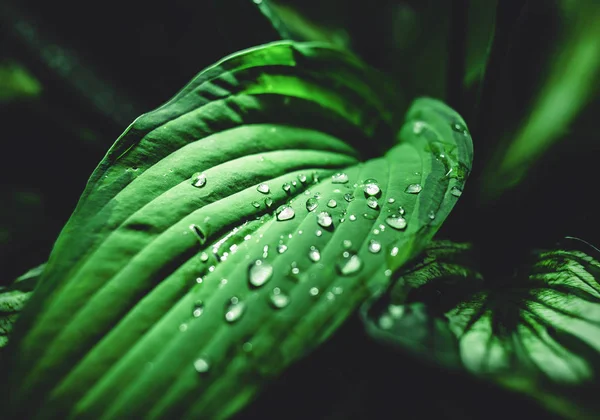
192 270
537 333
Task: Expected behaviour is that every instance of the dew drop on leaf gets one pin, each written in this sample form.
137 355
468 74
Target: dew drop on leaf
332 203
372 202
302 178
286 187
431 214
201 365
352 218
391 200
314 291
318 232
234 310
396 222
455 191
413 189
198 309
263 188
349 197
418 127
324 219
401 211
259 272
311 204
371 187
284 212
268 201
349 264
281 248
279 299
347 243
198 232
256 204
199 179
314 254
374 246
459 128
203 256
339 178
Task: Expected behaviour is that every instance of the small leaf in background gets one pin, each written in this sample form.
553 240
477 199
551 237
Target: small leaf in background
17 83
229 232
537 333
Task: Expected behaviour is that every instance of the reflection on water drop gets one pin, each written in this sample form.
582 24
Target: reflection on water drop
352 218
349 264
198 309
339 178
413 189
284 212
235 310
201 365
279 299
331 203
281 248
314 254
314 291
396 222
372 202
324 219
318 232
349 197
259 272
263 188
371 187
286 187
199 180
374 246
203 256
311 204
302 178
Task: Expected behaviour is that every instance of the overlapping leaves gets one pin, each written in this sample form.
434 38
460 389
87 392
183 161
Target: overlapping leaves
537 332
229 232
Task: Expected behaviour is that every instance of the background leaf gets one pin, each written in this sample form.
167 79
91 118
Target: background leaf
535 333
153 300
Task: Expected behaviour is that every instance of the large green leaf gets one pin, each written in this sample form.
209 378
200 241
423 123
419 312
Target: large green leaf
229 232
537 332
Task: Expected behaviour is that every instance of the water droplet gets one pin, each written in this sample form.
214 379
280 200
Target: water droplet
418 127
201 365
394 251
294 270
387 272
455 191
198 232
337 290
259 272
319 232
311 204
401 211
372 202
294 183
349 264
381 227
315 177
234 310
268 201
203 257
247 347
369 216
199 280
263 188
391 200
376 231
314 254
199 179
396 311
198 309
314 291
286 187
413 189
352 218
329 296
347 243
396 222
324 219
349 197
281 248
279 299
431 214
374 246
386 322
371 187
302 178
332 203
459 128
284 212
256 204
183 327
339 178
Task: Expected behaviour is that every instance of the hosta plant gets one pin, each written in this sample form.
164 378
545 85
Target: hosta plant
229 232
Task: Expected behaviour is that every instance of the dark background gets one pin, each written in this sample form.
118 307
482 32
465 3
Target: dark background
102 64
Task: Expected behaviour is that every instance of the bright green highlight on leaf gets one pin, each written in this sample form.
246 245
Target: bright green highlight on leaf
16 82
